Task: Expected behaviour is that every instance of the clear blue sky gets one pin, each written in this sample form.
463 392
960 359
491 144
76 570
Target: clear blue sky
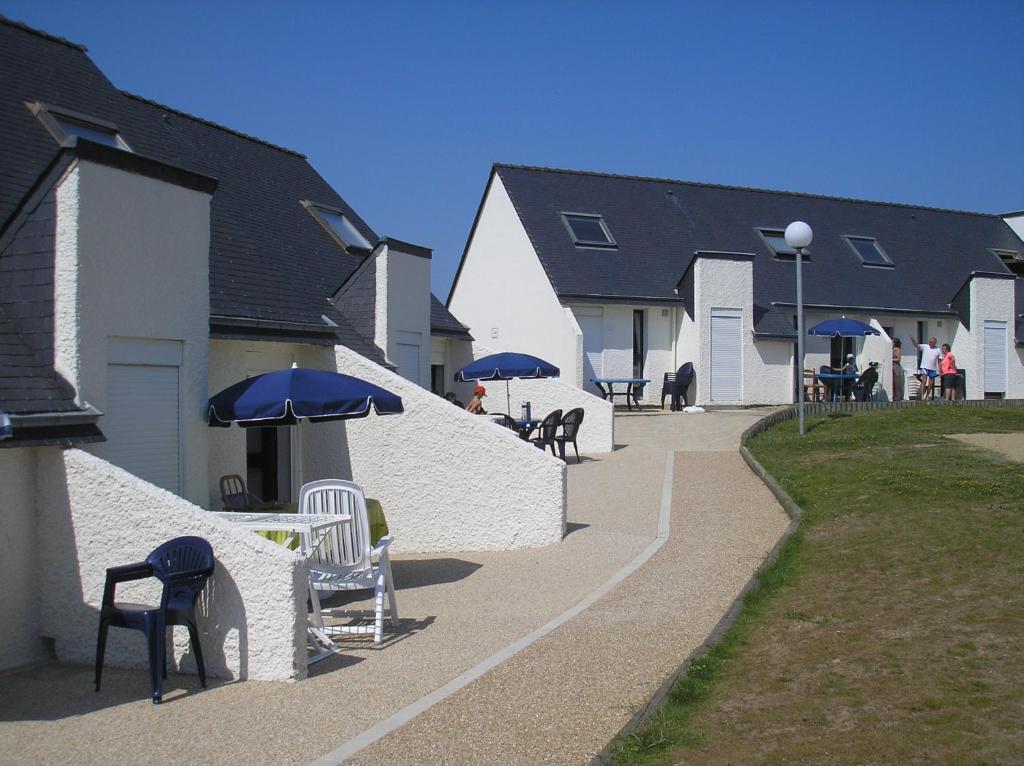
403 107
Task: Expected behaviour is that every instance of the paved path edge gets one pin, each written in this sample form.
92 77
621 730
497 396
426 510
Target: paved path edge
795 513
398 719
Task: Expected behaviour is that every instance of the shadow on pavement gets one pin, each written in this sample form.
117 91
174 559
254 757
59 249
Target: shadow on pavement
57 690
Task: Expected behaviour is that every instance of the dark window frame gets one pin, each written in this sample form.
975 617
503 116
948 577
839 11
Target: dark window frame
848 239
764 232
54 118
1011 259
315 208
610 244
639 343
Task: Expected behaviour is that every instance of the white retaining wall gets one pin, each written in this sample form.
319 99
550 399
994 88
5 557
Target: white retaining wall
448 480
20 643
597 434
93 515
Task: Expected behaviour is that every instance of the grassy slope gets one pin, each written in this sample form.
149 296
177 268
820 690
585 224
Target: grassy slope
890 629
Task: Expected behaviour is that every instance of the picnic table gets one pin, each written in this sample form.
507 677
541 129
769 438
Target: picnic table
310 529
374 515
633 388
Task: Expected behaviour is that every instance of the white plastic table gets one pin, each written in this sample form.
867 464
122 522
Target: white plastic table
310 528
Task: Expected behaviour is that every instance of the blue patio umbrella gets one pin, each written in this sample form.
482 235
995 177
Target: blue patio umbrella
505 366
842 328
280 398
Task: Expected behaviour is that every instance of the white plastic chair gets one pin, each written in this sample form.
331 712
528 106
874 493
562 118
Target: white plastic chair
343 559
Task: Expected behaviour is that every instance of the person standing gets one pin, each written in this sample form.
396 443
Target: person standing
950 374
850 369
897 369
929 366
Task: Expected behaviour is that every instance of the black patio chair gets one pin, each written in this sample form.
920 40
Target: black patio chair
571 422
236 497
183 565
507 421
547 430
684 377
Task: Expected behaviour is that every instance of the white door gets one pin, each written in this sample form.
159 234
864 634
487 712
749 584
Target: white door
409 362
592 326
995 357
726 355
142 423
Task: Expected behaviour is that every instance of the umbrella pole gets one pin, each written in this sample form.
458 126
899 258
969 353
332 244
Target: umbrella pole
508 400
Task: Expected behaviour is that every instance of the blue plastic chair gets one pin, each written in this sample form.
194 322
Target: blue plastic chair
183 565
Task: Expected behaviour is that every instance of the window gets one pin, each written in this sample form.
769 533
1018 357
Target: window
776 241
869 250
1011 259
338 226
588 230
638 343
65 125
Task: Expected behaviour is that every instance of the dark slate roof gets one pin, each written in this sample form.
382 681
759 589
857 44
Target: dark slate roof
269 258
443 322
271 263
29 384
659 224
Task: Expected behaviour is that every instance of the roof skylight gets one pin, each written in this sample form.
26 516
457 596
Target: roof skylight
65 125
776 241
869 250
588 230
1011 259
338 226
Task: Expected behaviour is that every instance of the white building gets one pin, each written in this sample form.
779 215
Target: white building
149 259
625 277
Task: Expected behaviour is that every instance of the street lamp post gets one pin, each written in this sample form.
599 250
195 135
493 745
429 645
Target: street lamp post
798 236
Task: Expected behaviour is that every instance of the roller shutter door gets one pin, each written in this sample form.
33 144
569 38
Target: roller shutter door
726 355
142 423
995 357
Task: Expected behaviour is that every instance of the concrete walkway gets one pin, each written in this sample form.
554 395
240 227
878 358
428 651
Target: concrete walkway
558 700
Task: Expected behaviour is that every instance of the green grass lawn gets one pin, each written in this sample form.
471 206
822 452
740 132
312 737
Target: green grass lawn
891 627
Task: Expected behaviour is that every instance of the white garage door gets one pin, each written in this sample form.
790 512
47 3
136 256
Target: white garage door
726 355
995 357
142 423
409 362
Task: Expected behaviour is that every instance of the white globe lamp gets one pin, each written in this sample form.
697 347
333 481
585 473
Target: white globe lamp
798 235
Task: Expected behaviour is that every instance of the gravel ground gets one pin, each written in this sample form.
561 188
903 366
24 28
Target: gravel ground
1009 445
557 701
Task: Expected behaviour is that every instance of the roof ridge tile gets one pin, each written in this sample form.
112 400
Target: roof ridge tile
212 124
40 33
729 187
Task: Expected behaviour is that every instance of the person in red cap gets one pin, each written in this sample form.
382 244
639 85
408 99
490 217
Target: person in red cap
476 404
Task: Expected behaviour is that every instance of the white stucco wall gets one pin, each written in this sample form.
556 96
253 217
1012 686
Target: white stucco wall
991 299
132 262
406 291
320 450
20 642
251 616
454 354
688 350
1016 223
597 434
448 480
767 365
502 293
878 348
